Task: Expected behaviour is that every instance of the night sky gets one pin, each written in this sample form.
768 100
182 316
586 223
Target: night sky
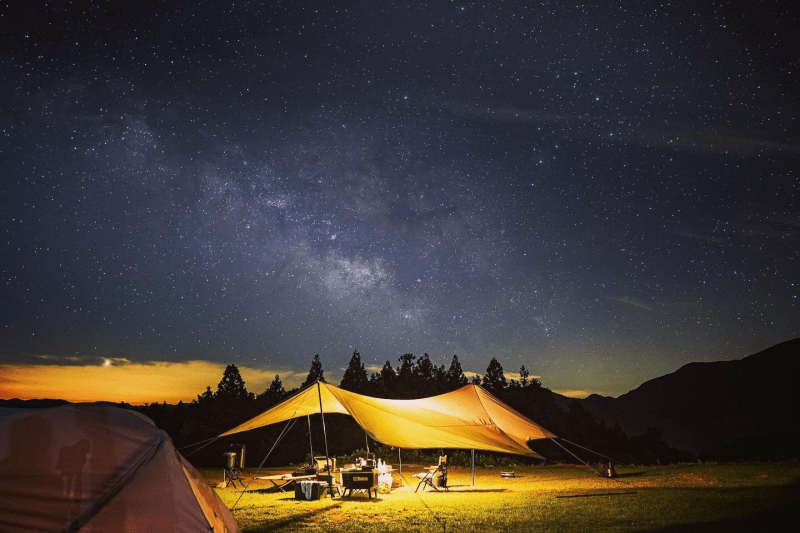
599 193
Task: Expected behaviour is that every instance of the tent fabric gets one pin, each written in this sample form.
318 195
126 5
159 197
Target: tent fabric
467 418
89 467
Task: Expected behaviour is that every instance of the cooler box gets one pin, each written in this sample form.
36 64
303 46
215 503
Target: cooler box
310 490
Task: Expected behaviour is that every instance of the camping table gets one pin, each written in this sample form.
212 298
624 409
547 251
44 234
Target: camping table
283 481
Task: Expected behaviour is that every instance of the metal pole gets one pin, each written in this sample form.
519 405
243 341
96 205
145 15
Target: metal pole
325 434
473 467
400 459
310 445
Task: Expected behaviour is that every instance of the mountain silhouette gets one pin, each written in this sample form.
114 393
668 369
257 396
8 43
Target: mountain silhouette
743 408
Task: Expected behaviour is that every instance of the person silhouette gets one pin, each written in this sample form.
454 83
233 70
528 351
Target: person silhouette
71 462
30 490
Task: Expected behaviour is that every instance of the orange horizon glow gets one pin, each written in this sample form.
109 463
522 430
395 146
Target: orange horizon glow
574 393
133 383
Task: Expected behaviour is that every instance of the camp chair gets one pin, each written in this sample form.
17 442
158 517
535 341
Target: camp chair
430 477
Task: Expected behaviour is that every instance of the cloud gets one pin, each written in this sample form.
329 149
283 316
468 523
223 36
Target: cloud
634 303
575 393
516 376
617 130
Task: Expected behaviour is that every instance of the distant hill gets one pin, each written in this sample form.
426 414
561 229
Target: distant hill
16 403
740 408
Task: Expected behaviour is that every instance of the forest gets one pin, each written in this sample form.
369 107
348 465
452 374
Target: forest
192 425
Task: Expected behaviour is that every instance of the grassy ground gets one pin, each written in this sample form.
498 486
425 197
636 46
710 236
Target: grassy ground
691 497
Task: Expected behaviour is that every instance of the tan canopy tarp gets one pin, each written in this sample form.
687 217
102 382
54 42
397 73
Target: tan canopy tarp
467 418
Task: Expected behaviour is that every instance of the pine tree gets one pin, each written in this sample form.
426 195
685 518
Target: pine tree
272 394
495 380
206 398
231 388
355 376
425 376
315 373
406 382
455 377
523 376
388 380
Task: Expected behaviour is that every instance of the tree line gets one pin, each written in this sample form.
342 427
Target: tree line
216 411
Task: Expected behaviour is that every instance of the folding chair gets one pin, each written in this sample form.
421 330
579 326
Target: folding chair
435 475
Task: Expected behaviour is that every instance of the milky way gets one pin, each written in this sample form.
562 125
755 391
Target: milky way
599 194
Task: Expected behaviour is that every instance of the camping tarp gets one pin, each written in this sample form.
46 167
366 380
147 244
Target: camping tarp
90 467
467 418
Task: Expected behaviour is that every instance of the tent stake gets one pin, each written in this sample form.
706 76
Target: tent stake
325 434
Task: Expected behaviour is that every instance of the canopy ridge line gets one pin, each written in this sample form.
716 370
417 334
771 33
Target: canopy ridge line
286 400
587 465
410 418
495 424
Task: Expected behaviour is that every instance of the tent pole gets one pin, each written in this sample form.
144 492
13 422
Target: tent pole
473 467
400 460
310 444
325 434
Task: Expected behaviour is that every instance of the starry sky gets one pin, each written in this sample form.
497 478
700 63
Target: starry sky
601 192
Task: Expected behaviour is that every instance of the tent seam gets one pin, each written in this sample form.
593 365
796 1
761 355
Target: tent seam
117 486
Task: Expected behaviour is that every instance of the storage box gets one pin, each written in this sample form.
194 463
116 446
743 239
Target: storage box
310 490
358 480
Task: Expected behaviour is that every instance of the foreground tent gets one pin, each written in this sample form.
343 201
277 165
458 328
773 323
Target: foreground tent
98 468
467 418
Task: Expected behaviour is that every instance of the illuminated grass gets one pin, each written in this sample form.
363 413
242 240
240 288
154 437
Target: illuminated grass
696 497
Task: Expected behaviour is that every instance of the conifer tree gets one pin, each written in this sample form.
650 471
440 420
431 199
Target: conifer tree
406 382
272 394
315 373
523 376
231 388
355 376
425 376
495 380
387 382
455 377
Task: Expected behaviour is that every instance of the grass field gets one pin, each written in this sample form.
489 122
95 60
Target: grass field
687 497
